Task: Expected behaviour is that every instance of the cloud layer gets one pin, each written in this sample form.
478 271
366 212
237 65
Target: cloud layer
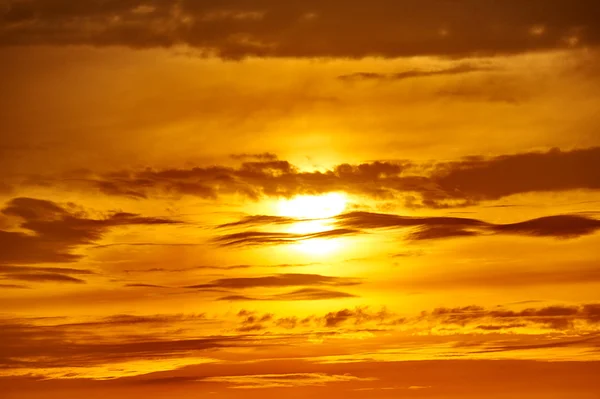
439 185
271 28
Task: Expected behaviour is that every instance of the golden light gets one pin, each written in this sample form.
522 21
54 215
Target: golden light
313 206
319 246
316 208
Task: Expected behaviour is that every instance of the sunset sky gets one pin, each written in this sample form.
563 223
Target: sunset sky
299 198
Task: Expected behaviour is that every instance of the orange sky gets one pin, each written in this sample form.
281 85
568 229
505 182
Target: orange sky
342 199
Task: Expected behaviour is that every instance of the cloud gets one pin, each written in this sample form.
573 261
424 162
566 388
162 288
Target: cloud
54 231
556 317
279 280
419 228
43 274
45 278
265 156
48 345
259 220
306 294
559 226
357 316
550 345
494 178
464 182
412 74
4 269
271 28
309 294
262 238
504 278
257 381
15 286
138 285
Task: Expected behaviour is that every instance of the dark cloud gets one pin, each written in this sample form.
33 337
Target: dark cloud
45 277
560 226
125 320
259 220
144 286
358 316
306 294
440 185
411 74
279 280
555 317
549 345
420 228
500 279
494 178
4 269
15 286
265 156
308 28
27 346
43 274
54 231
252 321
263 238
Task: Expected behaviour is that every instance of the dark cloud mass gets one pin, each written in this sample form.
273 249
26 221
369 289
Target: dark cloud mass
307 28
441 185
53 232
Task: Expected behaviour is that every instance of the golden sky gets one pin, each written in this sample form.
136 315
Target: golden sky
267 198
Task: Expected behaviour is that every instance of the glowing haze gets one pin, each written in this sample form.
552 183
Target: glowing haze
327 199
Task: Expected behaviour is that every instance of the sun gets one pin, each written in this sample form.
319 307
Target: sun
316 209
313 206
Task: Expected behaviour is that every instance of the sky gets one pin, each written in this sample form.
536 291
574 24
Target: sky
342 199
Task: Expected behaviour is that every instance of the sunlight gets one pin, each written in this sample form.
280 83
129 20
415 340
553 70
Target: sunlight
313 206
316 208
319 246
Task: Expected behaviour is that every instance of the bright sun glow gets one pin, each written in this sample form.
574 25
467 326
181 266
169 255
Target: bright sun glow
313 206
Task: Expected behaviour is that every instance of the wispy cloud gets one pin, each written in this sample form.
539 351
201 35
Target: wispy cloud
412 74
